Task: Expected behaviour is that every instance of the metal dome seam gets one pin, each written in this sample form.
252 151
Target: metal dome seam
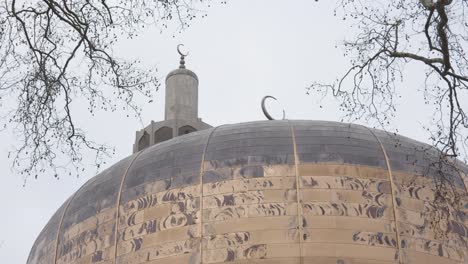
392 187
298 193
202 170
61 220
116 233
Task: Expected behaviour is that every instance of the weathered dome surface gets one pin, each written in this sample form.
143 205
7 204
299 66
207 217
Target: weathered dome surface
264 192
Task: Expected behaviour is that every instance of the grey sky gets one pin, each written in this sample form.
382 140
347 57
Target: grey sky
240 52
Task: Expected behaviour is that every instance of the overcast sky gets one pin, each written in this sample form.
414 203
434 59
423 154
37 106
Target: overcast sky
241 52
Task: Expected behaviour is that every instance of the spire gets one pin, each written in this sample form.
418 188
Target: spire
182 56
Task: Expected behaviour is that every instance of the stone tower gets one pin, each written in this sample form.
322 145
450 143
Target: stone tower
181 109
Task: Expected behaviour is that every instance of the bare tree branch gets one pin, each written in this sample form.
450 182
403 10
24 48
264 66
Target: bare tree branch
390 35
54 53
390 38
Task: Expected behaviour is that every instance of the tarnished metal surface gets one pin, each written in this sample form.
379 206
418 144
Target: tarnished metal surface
263 192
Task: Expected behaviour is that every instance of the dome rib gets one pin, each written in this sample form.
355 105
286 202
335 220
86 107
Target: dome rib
57 239
60 225
202 171
298 192
117 210
392 188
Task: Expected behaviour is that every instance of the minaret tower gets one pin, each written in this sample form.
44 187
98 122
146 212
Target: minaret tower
181 109
181 93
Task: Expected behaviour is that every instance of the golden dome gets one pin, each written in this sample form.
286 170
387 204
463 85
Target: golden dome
265 192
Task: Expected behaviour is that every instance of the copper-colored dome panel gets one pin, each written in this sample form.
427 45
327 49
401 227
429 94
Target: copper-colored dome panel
264 192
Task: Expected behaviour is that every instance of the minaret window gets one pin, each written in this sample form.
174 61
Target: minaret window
162 134
144 141
186 129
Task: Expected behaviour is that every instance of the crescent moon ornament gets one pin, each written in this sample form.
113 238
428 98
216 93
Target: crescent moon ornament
265 112
182 56
180 52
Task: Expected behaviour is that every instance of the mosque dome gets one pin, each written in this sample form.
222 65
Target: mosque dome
277 191
282 191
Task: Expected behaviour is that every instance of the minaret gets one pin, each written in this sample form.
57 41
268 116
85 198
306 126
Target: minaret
181 92
181 109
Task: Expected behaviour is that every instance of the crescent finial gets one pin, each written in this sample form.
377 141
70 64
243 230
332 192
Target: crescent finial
180 52
265 112
182 56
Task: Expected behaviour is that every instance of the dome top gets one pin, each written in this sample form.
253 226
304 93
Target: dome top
272 191
182 72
